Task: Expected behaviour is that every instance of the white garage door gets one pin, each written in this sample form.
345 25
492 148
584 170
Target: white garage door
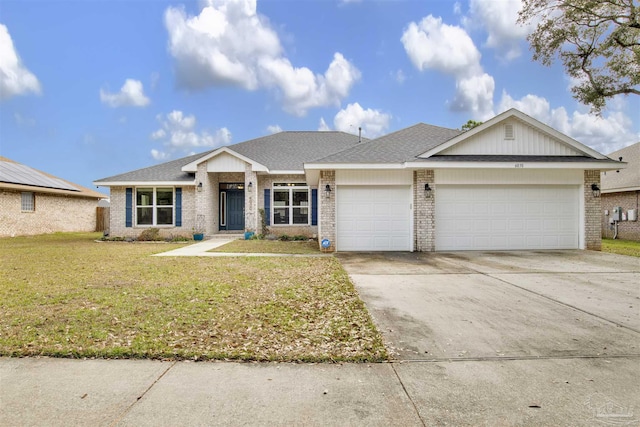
373 218
507 217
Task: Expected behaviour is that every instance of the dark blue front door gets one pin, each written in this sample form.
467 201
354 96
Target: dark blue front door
235 210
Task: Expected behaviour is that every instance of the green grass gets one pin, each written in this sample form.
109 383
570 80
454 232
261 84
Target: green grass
269 247
621 247
65 295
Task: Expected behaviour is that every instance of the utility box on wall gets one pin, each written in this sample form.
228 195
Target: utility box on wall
617 214
632 215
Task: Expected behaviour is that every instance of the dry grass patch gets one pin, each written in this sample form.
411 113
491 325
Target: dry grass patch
66 295
269 247
621 247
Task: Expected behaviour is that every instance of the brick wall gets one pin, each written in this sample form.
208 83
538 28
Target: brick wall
117 215
592 212
627 230
327 212
53 213
424 211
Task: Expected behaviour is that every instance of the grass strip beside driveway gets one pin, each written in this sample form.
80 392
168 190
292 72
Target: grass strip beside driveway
621 247
68 296
269 247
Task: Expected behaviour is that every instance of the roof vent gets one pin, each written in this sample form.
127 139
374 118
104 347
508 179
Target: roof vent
508 131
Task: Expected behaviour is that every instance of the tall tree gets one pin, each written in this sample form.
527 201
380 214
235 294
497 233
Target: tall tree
470 125
598 42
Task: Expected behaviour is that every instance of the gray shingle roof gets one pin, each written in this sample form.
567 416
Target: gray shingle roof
280 151
397 147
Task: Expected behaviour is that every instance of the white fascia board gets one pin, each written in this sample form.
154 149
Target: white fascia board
336 166
525 118
286 172
193 166
619 190
145 184
603 166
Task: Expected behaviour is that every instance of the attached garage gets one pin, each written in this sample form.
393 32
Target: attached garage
507 217
374 218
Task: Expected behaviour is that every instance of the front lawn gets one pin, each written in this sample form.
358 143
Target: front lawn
621 247
269 247
69 296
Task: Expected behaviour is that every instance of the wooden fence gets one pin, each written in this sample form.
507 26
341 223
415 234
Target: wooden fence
102 219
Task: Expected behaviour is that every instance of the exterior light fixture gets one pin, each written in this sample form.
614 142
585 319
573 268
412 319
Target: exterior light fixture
327 191
595 190
250 184
199 187
427 191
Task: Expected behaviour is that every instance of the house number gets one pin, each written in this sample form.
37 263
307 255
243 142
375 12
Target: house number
519 165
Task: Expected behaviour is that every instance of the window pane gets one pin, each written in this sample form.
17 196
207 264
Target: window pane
164 216
144 216
28 202
300 215
164 196
300 197
280 198
144 196
281 215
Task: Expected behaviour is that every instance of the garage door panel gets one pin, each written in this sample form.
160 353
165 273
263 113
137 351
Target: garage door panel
373 218
507 217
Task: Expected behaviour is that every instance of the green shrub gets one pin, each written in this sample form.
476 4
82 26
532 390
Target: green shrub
150 235
300 237
285 237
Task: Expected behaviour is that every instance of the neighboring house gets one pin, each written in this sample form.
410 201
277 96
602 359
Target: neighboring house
621 188
35 202
510 183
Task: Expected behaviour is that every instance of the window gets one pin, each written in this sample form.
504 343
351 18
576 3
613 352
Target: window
154 206
28 202
290 204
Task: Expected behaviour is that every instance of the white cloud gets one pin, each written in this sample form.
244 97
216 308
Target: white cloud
604 134
323 126
230 44
432 44
159 155
24 121
178 133
373 122
399 76
274 129
131 94
15 78
499 20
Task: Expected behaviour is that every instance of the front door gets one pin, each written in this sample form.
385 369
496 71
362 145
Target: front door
235 209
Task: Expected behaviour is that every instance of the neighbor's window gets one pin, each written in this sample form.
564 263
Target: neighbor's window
154 206
290 204
28 202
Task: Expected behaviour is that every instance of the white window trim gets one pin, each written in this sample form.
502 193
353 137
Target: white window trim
290 186
154 206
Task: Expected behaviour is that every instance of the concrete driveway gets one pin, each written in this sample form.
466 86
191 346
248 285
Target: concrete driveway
550 337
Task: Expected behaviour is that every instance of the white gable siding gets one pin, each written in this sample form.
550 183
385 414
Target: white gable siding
374 177
225 162
527 141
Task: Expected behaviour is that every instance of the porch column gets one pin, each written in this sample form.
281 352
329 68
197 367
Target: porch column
250 199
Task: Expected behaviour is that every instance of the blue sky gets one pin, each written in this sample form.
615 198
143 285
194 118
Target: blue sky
90 89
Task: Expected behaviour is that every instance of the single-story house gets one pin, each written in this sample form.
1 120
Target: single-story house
621 189
510 183
35 202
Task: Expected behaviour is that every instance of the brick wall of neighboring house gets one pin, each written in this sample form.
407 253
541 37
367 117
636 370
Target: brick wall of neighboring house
53 213
592 222
627 230
118 215
327 211
424 211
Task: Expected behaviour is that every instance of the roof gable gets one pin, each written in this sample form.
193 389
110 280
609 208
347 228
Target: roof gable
513 133
627 179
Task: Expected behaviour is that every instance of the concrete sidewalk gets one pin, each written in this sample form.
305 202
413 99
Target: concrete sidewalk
202 249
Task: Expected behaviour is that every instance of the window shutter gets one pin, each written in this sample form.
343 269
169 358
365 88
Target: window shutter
314 206
178 207
267 206
128 216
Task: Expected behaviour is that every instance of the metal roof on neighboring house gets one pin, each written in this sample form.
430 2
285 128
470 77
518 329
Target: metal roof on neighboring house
397 147
283 151
627 179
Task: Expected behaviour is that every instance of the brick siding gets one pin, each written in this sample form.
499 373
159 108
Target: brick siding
592 209
327 211
424 211
53 213
627 230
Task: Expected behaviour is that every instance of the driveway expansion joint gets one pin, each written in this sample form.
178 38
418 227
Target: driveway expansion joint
406 392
